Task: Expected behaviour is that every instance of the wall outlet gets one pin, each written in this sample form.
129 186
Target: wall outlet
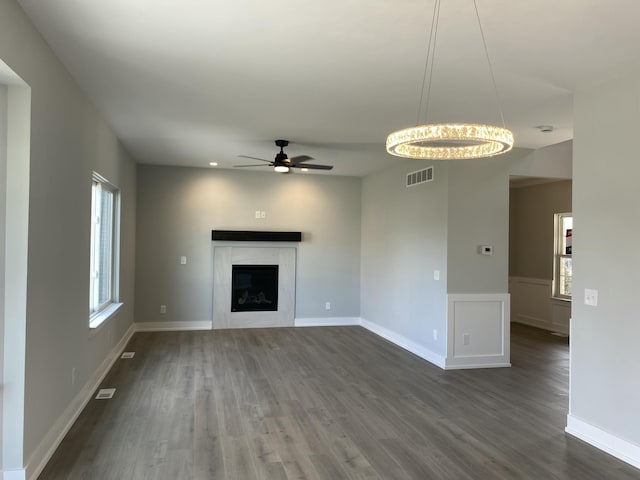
591 297
466 339
257 213
163 309
327 306
183 260
435 335
436 274
485 249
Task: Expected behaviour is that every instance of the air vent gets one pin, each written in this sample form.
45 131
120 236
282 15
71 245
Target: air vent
105 393
421 176
127 354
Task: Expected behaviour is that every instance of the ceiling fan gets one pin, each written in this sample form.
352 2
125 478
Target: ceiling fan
282 163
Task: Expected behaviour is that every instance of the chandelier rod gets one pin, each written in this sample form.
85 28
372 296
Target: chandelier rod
486 53
433 32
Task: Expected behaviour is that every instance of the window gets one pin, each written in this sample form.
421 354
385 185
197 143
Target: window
105 234
562 267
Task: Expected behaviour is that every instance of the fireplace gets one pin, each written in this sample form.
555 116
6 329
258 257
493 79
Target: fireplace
240 298
254 288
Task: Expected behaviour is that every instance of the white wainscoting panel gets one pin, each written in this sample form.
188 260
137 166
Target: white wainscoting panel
532 304
478 331
560 315
531 301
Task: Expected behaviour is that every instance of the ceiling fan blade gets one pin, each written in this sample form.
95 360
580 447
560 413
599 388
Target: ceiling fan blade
312 166
293 161
259 165
255 158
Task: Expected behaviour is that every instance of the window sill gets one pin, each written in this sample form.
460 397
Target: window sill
101 317
561 299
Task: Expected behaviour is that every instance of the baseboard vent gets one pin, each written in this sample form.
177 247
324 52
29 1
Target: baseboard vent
127 354
421 176
105 393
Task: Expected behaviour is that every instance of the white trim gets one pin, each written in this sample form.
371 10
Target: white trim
483 354
616 446
50 442
327 322
14 474
173 326
101 317
403 342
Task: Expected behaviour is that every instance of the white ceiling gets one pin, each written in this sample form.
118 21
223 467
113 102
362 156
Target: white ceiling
186 82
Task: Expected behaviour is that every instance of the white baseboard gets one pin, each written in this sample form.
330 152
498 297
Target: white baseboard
327 322
173 326
619 448
405 343
61 427
14 474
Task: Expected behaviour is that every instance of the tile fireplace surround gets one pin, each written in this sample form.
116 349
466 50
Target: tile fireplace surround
254 248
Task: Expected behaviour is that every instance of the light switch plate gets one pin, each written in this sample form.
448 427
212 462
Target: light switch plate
591 297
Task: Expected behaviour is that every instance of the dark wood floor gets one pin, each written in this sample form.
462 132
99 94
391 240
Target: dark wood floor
327 403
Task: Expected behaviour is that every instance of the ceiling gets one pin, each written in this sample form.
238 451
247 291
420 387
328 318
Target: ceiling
188 82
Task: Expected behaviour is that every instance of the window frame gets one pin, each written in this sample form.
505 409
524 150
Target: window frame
559 255
98 314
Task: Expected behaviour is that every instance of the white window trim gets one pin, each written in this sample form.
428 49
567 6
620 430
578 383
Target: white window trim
557 256
110 309
105 314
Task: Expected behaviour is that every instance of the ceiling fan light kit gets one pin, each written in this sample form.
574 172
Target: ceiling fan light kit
455 141
283 164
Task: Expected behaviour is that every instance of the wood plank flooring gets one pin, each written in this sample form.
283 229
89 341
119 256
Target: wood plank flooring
327 403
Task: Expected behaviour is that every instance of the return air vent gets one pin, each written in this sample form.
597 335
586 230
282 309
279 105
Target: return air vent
421 176
105 394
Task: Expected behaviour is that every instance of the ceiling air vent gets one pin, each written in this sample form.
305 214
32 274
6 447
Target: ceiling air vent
421 176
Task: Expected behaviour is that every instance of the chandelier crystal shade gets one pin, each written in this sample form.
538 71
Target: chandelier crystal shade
450 141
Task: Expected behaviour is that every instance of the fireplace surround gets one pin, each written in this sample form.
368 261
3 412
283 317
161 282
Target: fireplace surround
246 252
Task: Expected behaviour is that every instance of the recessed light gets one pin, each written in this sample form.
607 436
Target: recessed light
213 164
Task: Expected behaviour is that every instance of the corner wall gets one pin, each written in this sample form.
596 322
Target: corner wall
69 139
604 387
178 208
404 240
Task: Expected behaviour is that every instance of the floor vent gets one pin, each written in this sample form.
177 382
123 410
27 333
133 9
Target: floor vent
421 176
105 393
127 354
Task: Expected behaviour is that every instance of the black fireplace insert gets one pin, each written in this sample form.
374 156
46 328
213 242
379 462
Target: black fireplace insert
254 288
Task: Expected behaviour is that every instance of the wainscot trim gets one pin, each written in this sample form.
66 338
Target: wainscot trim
255 236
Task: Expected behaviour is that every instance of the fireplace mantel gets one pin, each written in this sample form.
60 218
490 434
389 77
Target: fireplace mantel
255 236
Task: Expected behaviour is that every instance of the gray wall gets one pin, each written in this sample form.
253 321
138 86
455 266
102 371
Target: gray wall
404 239
605 391
531 210
178 208
68 141
478 215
